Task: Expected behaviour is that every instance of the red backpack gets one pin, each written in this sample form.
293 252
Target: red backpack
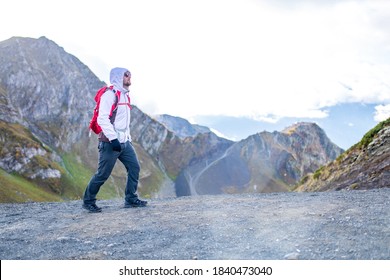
93 125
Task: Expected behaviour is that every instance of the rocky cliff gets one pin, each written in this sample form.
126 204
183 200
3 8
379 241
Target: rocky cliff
44 108
46 90
366 165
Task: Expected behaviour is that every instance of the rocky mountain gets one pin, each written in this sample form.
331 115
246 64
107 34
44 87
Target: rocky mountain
264 162
44 108
46 153
365 165
46 90
180 126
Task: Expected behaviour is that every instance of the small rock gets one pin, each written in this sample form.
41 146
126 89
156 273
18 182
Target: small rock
291 256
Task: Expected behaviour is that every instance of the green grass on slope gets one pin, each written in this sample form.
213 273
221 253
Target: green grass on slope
77 177
369 136
14 188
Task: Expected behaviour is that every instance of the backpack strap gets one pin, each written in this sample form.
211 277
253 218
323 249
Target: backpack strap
117 98
114 106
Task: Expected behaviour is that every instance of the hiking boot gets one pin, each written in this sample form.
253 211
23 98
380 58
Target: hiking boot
92 208
136 203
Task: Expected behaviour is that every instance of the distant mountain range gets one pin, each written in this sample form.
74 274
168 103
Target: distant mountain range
345 125
263 162
46 153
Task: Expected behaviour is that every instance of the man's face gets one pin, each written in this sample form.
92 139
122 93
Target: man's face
127 79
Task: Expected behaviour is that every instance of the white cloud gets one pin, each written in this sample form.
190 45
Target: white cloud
220 134
261 59
382 112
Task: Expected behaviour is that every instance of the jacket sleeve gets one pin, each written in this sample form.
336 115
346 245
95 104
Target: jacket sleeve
106 102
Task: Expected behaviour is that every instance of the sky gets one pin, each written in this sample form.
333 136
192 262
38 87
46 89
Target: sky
260 59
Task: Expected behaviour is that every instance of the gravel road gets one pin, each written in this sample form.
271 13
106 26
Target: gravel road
318 226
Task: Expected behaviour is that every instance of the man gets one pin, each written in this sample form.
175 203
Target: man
115 143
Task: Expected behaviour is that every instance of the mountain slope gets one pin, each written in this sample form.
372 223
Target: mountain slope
366 165
47 90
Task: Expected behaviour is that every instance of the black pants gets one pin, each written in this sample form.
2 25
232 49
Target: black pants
107 160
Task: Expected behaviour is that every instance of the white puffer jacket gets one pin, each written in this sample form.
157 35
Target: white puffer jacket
120 129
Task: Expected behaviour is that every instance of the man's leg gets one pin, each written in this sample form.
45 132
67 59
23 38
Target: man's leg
107 159
129 158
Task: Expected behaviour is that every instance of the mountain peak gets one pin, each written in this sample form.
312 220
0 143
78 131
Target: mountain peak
27 43
40 92
182 127
301 126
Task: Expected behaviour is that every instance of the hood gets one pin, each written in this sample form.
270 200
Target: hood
116 77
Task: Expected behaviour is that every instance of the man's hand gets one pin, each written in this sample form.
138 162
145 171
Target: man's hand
116 146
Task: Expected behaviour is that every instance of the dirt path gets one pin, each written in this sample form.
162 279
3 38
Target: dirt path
332 225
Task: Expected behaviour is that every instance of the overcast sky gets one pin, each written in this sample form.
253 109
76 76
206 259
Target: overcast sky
262 59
